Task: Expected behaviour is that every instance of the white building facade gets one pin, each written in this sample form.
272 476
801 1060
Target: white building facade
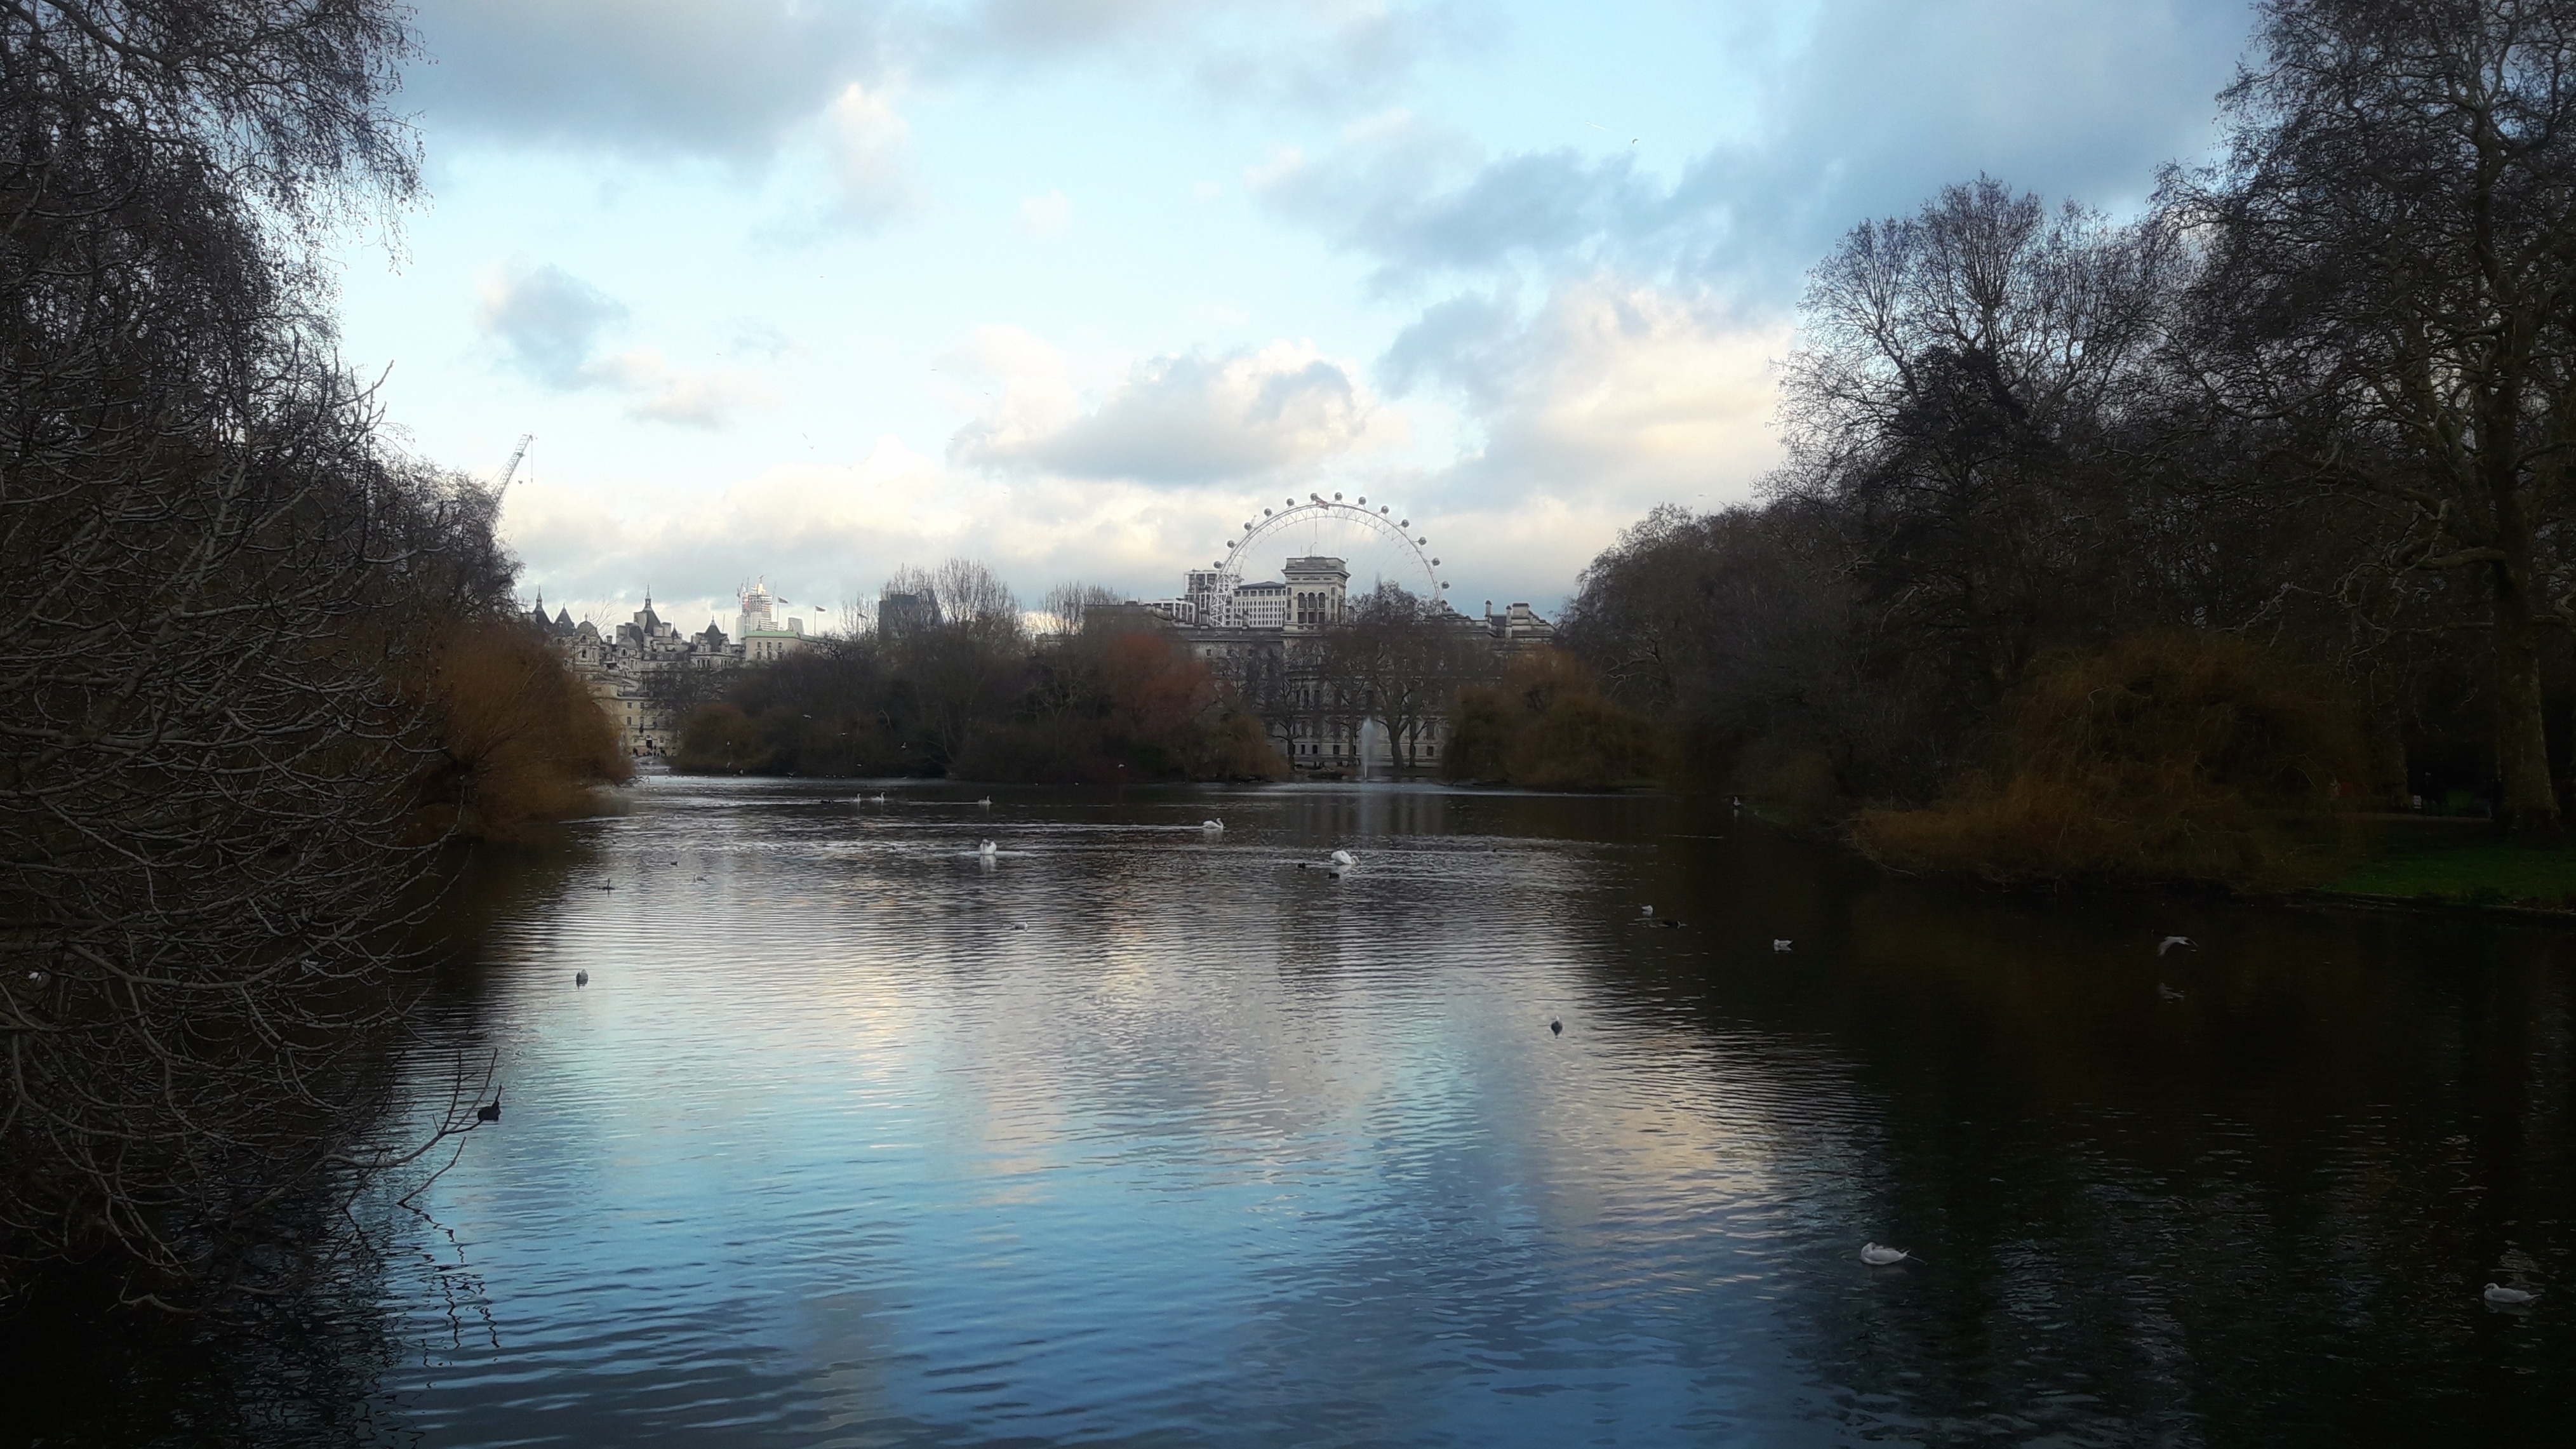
1267 639
618 667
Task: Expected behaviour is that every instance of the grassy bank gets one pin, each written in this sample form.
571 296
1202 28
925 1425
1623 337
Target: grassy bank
2466 865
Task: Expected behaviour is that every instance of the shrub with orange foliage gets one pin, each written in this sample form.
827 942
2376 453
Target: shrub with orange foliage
2173 755
521 741
1153 694
1547 725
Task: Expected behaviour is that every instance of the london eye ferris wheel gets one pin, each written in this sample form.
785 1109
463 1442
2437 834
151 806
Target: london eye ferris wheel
1375 544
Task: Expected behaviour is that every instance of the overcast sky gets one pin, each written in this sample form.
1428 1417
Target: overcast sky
813 290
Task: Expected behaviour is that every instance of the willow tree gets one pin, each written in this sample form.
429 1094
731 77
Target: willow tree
215 647
2391 246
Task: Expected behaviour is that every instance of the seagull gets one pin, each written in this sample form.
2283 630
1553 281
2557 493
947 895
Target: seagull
1879 1256
1645 910
2169 942
2503 1297
988 848
1213 827
1344 859
1779 945
580 979
2167 992
489 1111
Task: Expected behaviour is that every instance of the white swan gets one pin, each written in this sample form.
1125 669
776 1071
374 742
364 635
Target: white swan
2503 1297
986 802
1879 1256
1344 859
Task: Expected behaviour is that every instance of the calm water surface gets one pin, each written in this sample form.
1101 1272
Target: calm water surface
1138 1134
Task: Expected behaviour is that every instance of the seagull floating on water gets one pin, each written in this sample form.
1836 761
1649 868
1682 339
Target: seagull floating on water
2169 942
1344 859
580 979
1879 1255
2503 1297
1645 910
1778 944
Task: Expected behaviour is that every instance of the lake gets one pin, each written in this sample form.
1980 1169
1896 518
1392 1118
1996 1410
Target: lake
1137 1133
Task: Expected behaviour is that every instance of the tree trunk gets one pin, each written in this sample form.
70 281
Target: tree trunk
2530 804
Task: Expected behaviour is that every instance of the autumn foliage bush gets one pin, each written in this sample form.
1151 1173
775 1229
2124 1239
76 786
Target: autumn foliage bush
2173 755
521 740
1546 725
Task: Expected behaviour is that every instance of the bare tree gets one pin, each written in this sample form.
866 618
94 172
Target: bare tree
2393 256
959 591
1954 369
218 648
1066 603
964 652
1397 660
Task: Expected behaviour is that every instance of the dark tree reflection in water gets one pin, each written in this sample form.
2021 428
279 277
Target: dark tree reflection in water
1140 1134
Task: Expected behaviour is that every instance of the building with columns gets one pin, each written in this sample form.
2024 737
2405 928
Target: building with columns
1270 641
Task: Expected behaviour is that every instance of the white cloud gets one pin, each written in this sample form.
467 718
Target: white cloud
550 324
1176 419
1610 388
822 533
870 146
715 77
1302 52
545 318
1882 102
1047 214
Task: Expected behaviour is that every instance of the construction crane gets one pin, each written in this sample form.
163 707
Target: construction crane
510 468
